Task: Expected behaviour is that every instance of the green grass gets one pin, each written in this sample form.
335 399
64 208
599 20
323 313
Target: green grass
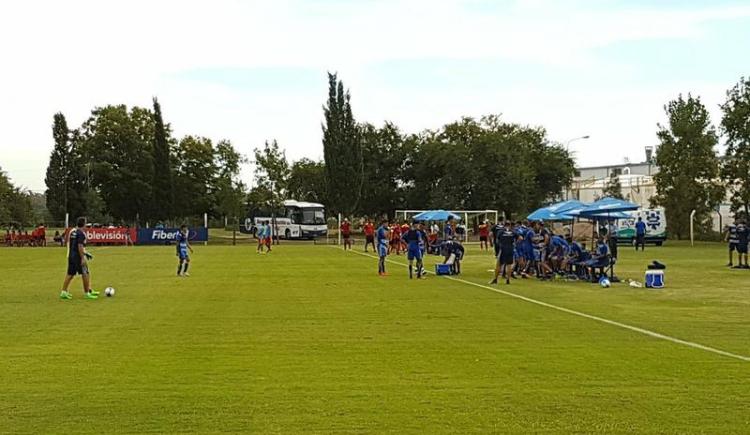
309 339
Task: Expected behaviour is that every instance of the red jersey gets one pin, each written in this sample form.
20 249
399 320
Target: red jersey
484 230
369 229
395 232
346 228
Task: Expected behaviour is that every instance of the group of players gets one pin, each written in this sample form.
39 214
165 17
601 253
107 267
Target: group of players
738 237
18 238
78 259
531 249
414 240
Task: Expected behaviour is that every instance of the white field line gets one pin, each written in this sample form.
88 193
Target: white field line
588 316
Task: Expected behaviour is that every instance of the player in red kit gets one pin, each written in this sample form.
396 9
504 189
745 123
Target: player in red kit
369 230
346 233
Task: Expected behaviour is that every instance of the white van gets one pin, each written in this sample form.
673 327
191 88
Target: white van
656 226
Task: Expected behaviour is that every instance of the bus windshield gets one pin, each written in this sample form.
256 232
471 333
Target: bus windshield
313 217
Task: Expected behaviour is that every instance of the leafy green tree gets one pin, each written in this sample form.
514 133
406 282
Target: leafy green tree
163 193
5 191
613 188
307 181
342 150
383 165
485 164
229 191
195 176
271 175
688 177
736 127
15 204
117 146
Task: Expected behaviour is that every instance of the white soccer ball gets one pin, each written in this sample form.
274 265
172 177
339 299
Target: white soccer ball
109 291
604 282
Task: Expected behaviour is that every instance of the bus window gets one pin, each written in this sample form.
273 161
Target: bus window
313 217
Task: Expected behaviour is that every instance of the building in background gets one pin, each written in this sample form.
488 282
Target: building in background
636 182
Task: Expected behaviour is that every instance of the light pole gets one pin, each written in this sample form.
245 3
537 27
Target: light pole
567 144
567 151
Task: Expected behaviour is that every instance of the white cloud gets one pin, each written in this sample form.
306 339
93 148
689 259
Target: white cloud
70 56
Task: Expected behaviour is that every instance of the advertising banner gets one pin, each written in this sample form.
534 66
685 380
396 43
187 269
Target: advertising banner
163 236
112 236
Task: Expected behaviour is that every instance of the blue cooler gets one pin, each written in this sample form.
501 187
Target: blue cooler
442 269
655 279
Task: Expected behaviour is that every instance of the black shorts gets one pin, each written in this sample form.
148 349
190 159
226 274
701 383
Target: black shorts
370 239
505 257
482 238
346 236
75 268
742 248
732 246
640 239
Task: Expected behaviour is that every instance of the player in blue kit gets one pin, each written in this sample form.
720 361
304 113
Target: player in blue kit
382 237
558 250
183 245
506 239
414 244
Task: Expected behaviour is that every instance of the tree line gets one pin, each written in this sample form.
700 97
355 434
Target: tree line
372 170
124 165
692 175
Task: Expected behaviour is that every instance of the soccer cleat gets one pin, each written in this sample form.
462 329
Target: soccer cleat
186 274
90 296
65 296
94 292
494 281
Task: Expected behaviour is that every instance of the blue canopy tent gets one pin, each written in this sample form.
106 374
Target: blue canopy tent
609 208
436 215
555 212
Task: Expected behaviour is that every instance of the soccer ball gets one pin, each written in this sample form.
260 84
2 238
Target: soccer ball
604 282
109 291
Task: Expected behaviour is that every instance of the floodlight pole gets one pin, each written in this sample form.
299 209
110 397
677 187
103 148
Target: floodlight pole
567 151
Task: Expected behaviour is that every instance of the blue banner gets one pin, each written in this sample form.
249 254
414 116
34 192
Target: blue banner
163 236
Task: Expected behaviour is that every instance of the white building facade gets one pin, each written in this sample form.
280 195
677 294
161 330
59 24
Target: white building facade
637 182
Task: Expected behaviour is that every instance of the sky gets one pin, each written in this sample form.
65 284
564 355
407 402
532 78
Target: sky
251 71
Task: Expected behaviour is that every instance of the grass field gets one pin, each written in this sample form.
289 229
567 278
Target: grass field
310 339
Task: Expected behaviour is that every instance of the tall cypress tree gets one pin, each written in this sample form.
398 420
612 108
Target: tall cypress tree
163 196
342 150
57 178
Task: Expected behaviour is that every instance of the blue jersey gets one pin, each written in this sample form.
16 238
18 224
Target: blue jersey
576 249
558 243
528 238
640 228
602 249
413 239
77 238
382 234
182 240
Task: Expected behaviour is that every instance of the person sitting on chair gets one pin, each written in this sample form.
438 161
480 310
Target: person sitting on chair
599 259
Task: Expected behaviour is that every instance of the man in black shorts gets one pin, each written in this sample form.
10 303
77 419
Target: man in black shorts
731 238
77 262
506 241
743 237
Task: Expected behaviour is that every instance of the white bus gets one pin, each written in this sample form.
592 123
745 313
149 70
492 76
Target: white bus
301 220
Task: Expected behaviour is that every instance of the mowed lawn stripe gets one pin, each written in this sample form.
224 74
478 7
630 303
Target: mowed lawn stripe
617 324
309 340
